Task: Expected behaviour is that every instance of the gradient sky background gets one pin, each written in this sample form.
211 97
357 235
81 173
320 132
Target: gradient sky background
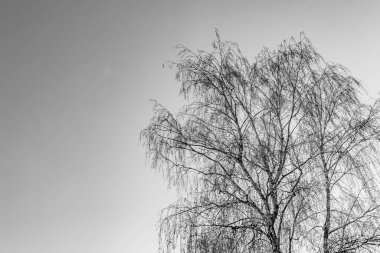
75 82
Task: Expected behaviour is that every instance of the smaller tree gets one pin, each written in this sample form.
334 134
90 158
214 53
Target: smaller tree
345 134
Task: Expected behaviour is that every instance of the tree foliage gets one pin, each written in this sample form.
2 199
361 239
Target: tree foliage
279 155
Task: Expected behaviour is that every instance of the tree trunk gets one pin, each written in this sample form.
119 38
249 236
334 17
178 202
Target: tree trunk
274 239
276 245
326 227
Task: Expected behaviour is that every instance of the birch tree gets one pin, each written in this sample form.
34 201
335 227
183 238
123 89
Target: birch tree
345 134
263 154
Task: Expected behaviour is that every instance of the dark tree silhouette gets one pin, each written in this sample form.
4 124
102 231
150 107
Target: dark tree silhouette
275 156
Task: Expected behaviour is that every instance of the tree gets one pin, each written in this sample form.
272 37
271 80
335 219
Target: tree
345 134
263 154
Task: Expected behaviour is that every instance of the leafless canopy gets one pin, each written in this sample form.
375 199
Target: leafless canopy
275 156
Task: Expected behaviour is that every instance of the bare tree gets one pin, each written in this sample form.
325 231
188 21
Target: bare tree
257 159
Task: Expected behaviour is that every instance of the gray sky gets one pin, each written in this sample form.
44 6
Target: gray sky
75 82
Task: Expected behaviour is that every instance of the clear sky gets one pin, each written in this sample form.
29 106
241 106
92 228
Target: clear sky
75 82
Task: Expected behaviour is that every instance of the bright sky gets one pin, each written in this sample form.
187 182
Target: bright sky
75 82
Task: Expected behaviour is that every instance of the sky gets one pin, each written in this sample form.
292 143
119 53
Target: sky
76 79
